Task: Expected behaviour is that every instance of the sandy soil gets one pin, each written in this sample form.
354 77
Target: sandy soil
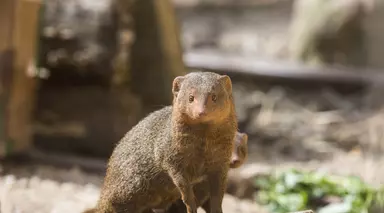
44 189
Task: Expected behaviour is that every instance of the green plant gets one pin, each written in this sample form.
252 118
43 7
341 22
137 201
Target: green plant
294 190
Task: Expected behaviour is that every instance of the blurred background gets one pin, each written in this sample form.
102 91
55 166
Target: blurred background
308 84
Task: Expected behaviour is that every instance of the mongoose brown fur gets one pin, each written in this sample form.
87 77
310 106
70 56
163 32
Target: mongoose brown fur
201 190
239 155
164 155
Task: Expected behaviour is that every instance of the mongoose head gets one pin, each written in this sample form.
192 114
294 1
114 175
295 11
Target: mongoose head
203 97
240 150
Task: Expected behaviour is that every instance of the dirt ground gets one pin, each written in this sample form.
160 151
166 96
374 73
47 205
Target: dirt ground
43 189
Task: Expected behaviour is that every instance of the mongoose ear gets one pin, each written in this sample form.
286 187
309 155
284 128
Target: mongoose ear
245 138
226 81
177 84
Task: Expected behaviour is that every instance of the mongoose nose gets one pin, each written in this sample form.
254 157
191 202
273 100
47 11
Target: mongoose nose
201 113
235 162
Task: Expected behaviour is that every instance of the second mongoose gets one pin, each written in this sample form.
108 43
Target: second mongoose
161 158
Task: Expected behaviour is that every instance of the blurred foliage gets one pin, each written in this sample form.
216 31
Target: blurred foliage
295 190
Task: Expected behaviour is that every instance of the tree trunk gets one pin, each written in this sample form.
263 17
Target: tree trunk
329 32
18 36
157 53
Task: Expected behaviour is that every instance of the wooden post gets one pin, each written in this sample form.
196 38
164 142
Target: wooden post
19 34
157 52
6 22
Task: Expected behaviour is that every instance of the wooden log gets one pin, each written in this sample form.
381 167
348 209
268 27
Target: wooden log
279 69
97 165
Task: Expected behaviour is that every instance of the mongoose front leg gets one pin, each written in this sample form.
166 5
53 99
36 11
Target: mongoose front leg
217 183
186 191
206 206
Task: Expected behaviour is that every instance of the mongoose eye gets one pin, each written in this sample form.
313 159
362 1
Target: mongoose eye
214 98
191 98
241 151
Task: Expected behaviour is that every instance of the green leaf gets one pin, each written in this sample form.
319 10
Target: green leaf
263 197
293 202
280 188
293 190
336 208
263 182
354 185
292 179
